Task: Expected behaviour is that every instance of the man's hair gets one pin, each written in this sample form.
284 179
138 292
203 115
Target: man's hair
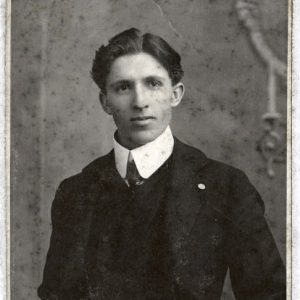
132 41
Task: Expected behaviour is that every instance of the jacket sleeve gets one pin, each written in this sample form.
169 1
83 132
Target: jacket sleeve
256 268
63 264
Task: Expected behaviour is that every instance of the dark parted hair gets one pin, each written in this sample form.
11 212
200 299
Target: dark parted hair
132 41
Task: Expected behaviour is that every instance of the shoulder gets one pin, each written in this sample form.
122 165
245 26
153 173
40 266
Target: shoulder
75 191
226 180
89 174
209 167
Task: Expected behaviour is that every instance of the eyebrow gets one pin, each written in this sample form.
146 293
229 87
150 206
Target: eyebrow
120 81
155 77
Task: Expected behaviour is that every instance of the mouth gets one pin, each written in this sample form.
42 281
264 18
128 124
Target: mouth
142 120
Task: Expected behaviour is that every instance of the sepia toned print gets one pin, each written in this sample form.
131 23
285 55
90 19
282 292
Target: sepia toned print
230 104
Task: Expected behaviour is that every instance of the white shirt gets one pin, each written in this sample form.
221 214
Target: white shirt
148 158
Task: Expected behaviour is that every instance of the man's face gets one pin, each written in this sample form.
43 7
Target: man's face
140 97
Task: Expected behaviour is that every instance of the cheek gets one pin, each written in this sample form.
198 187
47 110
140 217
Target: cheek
119 115
119 109
164 112
118 104
161 98
163 104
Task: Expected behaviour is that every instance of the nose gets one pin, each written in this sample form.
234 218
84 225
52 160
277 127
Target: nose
140 97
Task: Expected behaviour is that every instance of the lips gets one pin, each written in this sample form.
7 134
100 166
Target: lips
142 118
142 121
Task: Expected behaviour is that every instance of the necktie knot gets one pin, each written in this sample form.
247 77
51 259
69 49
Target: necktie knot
133 177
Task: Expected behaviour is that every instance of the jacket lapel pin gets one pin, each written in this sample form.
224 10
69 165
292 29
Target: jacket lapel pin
201 186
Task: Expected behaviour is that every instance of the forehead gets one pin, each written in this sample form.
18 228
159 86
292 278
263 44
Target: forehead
136 66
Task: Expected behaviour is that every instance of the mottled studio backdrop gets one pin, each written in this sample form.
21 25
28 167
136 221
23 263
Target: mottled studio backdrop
58 125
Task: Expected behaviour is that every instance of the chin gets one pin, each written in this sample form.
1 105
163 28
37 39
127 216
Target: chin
143 138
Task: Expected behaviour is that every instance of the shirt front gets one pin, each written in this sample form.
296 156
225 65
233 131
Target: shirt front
148 158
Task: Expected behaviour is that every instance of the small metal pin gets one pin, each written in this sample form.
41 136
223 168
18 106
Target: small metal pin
201 186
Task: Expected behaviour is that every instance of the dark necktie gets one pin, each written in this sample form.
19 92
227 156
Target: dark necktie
132 175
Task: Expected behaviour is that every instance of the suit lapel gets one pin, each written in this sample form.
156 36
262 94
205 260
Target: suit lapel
105 179
186 195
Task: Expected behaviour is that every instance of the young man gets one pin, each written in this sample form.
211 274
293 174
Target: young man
155 218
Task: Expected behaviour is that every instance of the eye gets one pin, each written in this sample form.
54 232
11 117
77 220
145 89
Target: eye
154 83
122 87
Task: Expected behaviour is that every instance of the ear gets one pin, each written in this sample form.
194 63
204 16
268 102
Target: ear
178 92
105 103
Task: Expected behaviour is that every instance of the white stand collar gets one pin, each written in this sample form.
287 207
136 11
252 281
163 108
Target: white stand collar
148 158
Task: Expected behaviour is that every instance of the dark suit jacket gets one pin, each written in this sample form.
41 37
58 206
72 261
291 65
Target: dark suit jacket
212 230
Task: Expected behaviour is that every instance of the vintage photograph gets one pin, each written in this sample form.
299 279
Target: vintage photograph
148 149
